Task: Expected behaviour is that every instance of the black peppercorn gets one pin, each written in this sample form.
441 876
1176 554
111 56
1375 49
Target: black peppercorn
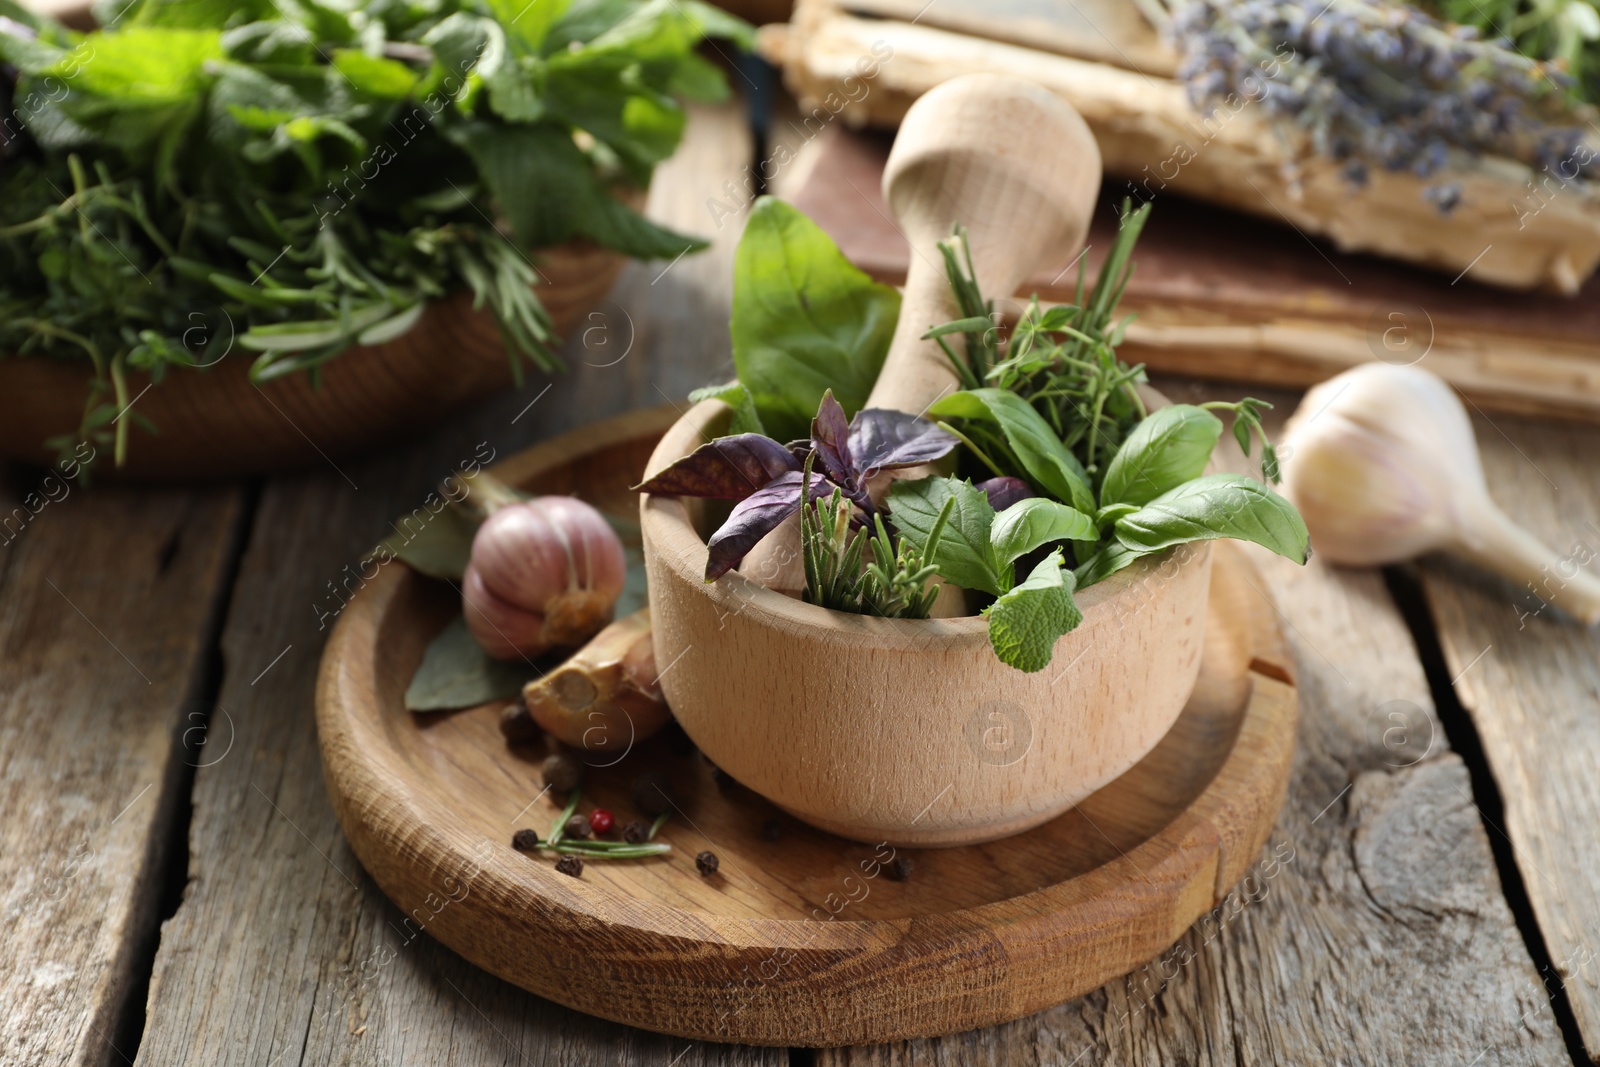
525 840
570 865
578 827
518 726
706 863
650 794
900 870
771 830
636 832
561 772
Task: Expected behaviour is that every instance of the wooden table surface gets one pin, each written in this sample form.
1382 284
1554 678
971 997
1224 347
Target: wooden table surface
178 894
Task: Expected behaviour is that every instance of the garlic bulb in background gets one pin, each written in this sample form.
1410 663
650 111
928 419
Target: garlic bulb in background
1383 465
543 572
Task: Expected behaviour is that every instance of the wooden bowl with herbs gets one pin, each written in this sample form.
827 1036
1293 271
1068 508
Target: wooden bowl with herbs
912 731
262 238
1071 543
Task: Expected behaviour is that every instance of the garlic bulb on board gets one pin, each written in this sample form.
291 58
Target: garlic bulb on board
543 572
1383 465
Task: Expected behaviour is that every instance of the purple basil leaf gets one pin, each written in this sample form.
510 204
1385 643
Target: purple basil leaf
729 468
756 516
1005 491
883 440
830 433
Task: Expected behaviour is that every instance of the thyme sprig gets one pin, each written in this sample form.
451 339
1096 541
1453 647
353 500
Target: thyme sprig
1061 359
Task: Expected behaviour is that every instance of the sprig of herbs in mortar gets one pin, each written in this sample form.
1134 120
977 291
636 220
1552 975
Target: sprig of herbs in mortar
1062 478
293 179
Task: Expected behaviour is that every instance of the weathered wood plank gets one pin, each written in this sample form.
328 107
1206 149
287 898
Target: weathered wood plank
1374 929
1530 680
283 951
108 604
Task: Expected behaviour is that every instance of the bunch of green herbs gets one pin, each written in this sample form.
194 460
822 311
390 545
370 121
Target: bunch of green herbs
1063 477
291 179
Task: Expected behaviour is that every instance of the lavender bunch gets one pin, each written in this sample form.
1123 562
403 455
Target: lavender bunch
1379 82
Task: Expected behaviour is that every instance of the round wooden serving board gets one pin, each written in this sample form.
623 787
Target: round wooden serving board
803 940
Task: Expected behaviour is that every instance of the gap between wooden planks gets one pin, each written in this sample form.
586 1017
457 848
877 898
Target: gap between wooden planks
108 605
1530 681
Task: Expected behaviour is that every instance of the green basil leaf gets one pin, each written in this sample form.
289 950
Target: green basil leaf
1112 512
964 554
1027 524
1049 463
1218 505
1026 622
1171 446
745 417
804 320
1108 560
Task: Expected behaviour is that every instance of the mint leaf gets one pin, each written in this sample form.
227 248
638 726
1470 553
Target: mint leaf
1025 623
544 186
1048 462
1218 505
386 78
1169 447
527 24
463 44
964 554
737 397
804 320
141 66
601 93
715 22
1027 524
615 225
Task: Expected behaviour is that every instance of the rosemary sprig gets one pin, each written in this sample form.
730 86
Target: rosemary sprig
895 585
605 850
832 555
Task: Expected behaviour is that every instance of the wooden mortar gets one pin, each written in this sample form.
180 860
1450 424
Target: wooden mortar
911 731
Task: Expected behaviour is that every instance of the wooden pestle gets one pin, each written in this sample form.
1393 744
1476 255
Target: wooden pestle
1018 168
